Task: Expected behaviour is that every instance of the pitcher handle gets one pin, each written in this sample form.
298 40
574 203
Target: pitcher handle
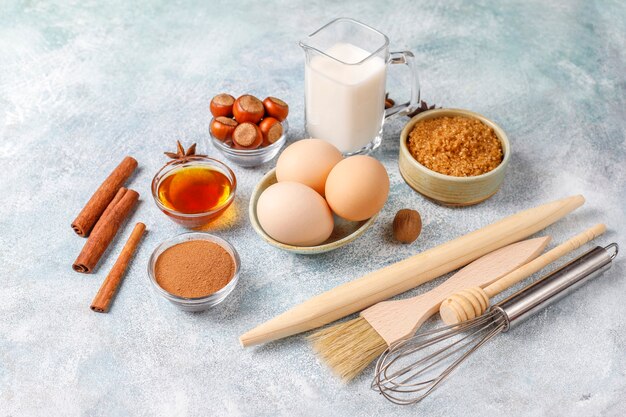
407 58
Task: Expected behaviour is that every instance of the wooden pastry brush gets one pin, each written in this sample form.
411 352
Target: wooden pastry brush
350 347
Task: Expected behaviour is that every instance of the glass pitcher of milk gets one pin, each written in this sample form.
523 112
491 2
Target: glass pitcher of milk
345 84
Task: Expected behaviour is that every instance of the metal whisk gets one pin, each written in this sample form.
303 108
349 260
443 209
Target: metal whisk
403 380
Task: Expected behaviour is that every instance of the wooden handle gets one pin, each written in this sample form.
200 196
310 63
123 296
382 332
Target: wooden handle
545 259
464 305
402 276
472 302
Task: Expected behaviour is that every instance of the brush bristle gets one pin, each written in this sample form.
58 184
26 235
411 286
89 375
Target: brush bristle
348 347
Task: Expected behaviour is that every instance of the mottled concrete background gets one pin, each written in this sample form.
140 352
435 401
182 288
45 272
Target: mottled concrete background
83 84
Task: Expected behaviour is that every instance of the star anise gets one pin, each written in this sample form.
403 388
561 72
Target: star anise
389 103
421 108
181 155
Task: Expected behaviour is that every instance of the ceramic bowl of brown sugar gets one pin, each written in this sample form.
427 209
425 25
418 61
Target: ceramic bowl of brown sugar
454 157
194 271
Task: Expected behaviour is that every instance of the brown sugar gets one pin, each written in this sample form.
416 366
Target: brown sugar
456 146
194 269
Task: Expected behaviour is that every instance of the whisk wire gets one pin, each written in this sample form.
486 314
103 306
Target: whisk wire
417 344
397 385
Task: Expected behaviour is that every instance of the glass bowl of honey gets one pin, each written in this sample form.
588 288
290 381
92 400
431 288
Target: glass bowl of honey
251 157
194 191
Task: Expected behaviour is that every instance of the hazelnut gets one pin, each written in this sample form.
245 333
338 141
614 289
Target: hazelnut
272 130
222 105
223 127
276 108
247 136
248 109
407 225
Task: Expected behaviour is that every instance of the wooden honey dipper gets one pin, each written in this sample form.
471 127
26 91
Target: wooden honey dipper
473 302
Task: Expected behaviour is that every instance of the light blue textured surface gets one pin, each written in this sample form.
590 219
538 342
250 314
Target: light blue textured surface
84 83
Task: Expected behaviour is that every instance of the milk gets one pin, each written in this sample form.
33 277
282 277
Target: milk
345 103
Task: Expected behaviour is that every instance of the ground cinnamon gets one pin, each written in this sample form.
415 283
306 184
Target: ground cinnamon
194 269
102 300
105 230
93 210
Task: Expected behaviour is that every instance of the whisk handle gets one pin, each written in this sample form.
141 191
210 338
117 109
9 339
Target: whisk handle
556 285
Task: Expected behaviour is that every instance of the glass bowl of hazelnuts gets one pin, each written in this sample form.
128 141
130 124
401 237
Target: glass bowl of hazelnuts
246 130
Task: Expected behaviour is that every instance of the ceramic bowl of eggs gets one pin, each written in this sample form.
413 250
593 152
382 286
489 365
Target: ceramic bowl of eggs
315 200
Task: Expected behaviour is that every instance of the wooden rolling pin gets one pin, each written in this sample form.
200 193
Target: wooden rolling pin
402 276
473 302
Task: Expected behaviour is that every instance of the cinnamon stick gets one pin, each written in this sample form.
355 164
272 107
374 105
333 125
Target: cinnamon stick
118 196
89 215
104 232
102 301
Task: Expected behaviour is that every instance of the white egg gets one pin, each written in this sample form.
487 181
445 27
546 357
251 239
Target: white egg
294 214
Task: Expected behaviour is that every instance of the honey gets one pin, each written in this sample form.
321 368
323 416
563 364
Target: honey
194 189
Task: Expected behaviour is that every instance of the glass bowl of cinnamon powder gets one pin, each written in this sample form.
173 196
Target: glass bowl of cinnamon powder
194 271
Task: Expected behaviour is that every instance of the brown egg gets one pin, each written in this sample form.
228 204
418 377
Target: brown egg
308 161
357 188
